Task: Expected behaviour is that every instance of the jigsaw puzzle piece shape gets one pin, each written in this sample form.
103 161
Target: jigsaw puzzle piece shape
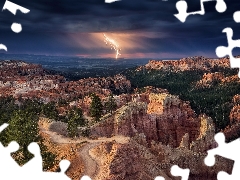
10 165
227 150
35 164
222 51
177 171
64 165
182 6
12 7
225 176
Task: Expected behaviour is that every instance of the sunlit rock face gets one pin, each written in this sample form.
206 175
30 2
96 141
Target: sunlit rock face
163 131
25 80
190 63
165 118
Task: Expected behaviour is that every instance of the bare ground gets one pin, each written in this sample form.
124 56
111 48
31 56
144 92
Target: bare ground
91 165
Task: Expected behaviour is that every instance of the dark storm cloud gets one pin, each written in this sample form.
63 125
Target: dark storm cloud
47 27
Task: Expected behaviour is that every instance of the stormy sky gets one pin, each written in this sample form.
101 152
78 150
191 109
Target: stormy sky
142 28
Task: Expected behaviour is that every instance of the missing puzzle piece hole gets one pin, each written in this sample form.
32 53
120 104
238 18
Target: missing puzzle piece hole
177 171
86 178
221 51
159 178
223 175
236 17
220 138
64 165
221 6
13 147
209 160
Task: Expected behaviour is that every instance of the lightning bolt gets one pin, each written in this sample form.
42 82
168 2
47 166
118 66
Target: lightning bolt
113 45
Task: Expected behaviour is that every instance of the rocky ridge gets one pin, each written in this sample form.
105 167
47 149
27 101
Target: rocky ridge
184 64
20 79
164 130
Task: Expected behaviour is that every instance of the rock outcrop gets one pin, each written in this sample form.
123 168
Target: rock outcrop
135 161
184 64
210 79
164 119
232 131
25 80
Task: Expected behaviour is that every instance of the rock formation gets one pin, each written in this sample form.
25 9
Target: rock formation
190 63
164 119
20 79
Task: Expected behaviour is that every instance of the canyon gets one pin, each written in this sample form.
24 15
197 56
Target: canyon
150 130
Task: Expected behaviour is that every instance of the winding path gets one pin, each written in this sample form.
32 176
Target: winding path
91 166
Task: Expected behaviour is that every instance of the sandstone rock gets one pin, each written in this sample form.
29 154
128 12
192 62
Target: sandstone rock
190 63
165 119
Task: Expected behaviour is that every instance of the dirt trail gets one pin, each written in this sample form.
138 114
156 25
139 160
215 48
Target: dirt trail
90 164
64 140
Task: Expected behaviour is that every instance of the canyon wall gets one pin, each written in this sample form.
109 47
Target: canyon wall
164 119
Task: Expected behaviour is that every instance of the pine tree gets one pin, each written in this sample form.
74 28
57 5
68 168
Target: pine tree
23 128
72 127
96 108
111 104
75 118
50 111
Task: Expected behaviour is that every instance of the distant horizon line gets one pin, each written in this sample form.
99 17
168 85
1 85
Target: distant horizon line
76 56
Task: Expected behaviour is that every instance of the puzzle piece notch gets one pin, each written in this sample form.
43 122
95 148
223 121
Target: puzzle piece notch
64 165
227 150
34 164
177 171
32 169
222 51
86 178
236 16
3 126
8 164
182 6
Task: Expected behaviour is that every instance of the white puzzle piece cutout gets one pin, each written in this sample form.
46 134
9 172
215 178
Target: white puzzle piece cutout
182 9
229 151
177 171
159 178
86 178
222 51
236 17
10 170
12 7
